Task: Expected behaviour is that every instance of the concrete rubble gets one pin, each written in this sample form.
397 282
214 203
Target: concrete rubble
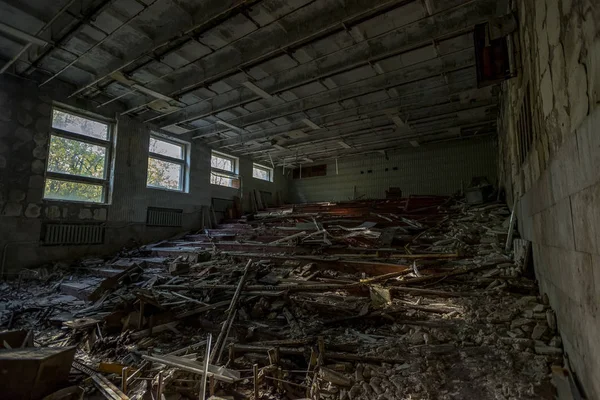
409 298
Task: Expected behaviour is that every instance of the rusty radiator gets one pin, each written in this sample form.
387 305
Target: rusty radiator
73 234
164 217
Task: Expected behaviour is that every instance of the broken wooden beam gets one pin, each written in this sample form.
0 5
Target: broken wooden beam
288 238
106 387
157 329
300 351
231 313
334 377
185 364
432 292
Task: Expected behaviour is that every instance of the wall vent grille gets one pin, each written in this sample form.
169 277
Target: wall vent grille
73 234
164 217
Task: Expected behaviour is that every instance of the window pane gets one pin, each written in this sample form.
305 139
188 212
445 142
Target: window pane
168 149
76 124
164 174
223 180
73 191
226 164
76 158
261 173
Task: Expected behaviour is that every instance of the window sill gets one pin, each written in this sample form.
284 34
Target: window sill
224 186
167 190
89 203
264 180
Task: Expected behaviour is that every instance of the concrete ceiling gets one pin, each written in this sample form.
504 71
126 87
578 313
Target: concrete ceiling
282 80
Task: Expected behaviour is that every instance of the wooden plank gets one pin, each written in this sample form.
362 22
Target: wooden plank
220 373
106 387
156 329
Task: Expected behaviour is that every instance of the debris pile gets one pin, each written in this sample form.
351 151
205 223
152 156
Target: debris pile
411 298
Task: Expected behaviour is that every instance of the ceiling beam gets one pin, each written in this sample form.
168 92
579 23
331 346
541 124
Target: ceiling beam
463 92
384 143
384 131
391 43
272 40
71 31
446 111
125 22
250 49
19 34
289 161
212 13
413 78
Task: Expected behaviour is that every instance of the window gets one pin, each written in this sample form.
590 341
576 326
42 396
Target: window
224 170
166 164
309 172
78 158
263 173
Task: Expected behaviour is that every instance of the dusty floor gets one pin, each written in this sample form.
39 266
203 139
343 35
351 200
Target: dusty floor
420 304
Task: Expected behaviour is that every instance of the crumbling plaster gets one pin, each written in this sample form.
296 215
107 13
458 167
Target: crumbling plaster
558 185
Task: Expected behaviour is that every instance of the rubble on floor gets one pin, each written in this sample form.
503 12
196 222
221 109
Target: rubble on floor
409 298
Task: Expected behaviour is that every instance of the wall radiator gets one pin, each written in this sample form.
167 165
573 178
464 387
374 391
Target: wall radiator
164 217
73 234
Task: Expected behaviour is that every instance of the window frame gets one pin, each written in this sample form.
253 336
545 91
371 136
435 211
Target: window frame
108 144
269 171
234 175
184 162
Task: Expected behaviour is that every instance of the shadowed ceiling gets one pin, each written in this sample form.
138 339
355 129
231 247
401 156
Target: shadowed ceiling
292 81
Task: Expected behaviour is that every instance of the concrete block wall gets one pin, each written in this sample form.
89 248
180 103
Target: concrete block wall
560 214
25 121
558 184
436 169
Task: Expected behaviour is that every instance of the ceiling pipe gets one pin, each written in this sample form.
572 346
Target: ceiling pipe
370 109
374 123
28 45
69 65
188 34
386 139
347 66
414 135
313 37
388 148
22 35
67 36
367 86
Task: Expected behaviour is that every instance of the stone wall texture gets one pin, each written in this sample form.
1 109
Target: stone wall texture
25 121
558 184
